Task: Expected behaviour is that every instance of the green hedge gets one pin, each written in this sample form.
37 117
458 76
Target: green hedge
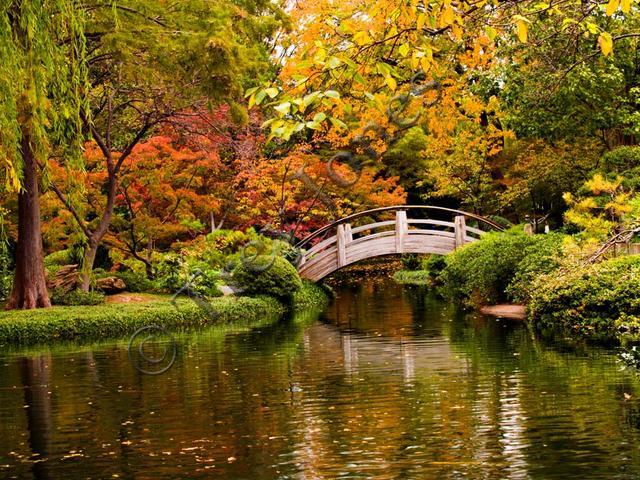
592 300
499 267
76 297
267 275
27 327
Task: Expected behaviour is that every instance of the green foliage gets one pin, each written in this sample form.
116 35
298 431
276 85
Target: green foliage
6 275
42 49
136 282
169 272
310 295
268 275
59 258
118 320
620 160
547 94
434 264
228 241
28 327
600 299
411 261
412 277
540 257
76 297
404 161
496 268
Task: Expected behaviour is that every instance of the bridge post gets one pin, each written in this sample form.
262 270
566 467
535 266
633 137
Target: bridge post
402 227
343 236
347 233
460 227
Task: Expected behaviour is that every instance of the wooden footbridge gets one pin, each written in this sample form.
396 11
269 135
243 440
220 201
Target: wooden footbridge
388 231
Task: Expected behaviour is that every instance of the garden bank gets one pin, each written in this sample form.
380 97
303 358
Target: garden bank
106 321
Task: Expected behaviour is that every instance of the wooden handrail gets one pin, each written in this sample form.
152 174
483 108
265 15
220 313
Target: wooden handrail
354 216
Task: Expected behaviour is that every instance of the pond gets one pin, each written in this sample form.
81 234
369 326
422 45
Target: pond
389 382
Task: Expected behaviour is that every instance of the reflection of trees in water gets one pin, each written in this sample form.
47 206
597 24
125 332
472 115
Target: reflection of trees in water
434 394
35 374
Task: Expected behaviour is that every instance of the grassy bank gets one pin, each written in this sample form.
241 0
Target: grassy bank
412 277
28 327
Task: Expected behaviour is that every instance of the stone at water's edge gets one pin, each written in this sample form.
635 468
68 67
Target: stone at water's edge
514 312
226 290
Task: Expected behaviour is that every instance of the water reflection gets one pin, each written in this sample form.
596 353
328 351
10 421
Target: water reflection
388 383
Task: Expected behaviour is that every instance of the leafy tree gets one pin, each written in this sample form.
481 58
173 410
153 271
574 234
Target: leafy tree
183 56
562 88
42 47
602 207
535 175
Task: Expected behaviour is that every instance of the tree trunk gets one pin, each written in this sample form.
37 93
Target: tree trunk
99 233
29 284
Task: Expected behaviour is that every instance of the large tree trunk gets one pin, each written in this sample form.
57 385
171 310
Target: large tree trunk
29 284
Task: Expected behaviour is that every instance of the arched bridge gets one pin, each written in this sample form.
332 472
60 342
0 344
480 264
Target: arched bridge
387 231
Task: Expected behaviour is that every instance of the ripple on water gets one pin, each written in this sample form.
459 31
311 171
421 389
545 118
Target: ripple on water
388 383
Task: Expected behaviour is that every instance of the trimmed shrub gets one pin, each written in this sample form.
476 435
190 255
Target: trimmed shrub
136 282
268 275
59 258
600 299
539 258
76 297
434 264
28 327
494 269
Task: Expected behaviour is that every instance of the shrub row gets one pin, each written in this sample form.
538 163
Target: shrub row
27 327
500 267
595 300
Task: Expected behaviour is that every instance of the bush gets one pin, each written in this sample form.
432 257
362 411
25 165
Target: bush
169 275
539 258
76 297
6 275
599 299
268 275
434 265
494 269
28 327
620 160
411 261
228 241
59 258
136 282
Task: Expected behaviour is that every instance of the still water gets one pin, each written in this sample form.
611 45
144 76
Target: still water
387 383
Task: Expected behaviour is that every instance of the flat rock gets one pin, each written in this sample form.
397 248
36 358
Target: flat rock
111 285
511 311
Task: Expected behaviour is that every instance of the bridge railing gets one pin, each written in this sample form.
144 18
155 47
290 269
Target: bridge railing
386 231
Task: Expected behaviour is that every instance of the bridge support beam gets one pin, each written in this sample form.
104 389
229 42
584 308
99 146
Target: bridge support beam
460 227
